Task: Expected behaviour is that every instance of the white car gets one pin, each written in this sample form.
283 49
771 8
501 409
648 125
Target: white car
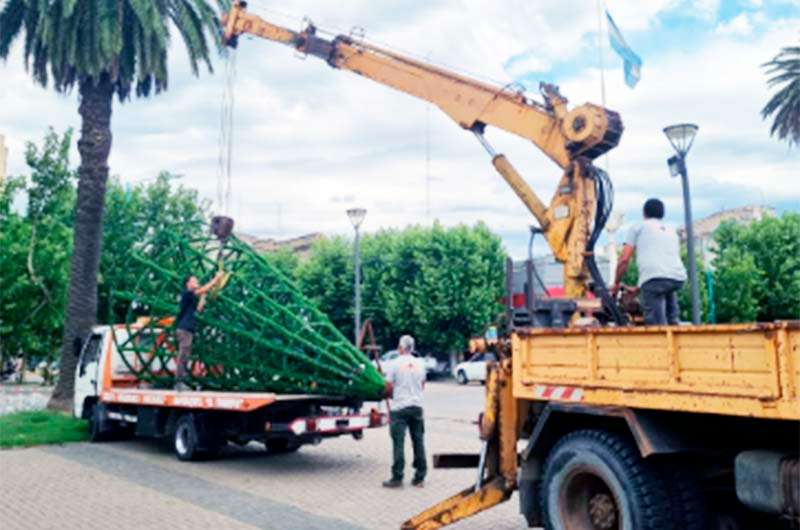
474 369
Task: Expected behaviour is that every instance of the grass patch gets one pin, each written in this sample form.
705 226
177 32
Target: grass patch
40 427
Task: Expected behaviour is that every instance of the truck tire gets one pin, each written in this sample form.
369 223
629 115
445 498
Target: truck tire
98 424
192 441
185 439
689 503
597 480
461 378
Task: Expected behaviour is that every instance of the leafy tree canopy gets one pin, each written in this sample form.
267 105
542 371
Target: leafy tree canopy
757 270
36 243
441 285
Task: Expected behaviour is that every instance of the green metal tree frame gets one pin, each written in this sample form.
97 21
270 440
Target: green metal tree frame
257 333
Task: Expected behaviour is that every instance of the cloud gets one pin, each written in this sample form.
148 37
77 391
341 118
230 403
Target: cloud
525 64
739 26
705 9
309 142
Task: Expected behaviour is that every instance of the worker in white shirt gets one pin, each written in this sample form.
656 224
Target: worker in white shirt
406 375
661 271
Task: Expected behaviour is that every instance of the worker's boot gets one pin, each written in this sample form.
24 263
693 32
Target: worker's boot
393 483
418 482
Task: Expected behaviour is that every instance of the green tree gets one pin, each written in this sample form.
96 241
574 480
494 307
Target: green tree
738 282
378 251
327 279
445 285
759 265
132 214
105 48
784 70
34 266
442 285
285 260
15 285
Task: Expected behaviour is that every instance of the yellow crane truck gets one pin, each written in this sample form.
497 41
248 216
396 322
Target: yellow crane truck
662 427
602 426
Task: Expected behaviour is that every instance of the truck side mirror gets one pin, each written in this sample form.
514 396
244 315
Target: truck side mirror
76 347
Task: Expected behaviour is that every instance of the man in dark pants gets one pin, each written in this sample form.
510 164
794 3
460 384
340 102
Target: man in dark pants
193 299
406 374
661 271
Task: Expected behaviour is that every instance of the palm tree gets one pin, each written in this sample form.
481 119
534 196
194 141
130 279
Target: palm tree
785 104
105 48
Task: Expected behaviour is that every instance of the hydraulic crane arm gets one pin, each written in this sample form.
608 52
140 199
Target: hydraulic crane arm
571 138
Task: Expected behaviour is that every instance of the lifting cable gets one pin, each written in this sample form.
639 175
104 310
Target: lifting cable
226 135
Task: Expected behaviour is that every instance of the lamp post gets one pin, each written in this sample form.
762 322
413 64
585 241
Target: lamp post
356 216
681 137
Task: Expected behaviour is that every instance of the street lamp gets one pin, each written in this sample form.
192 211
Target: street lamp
356 216
681 137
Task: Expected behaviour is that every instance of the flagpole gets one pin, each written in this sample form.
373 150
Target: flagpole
601 4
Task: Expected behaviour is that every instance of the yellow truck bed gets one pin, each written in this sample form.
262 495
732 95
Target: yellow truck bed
733 369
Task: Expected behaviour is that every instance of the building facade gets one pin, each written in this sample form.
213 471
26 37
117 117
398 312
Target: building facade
704 229
300 245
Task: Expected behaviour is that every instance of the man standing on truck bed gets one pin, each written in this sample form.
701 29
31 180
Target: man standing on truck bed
193 299
661 271
406 374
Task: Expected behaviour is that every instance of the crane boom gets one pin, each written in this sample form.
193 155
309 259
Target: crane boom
570 138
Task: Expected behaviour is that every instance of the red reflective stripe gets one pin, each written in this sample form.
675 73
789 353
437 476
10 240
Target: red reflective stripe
567 392
548 391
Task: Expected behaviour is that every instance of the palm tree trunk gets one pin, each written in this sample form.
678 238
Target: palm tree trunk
94 147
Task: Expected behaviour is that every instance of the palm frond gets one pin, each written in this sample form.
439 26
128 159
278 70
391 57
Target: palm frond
784 105
11 18
128 40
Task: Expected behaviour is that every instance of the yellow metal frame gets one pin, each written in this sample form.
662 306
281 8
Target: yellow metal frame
739 369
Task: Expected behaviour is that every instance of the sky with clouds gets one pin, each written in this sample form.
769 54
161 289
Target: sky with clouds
310 142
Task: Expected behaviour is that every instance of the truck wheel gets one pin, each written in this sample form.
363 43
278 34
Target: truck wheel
597 480
689 503
461 377
98 431
185 439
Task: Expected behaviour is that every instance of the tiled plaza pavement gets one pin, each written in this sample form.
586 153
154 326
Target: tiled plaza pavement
336 485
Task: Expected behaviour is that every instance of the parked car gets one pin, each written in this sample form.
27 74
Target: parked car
436 369
431 364
473 369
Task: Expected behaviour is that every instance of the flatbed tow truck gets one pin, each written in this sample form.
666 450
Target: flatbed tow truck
597 424
199 424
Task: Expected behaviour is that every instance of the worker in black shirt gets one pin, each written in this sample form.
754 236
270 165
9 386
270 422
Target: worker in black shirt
193 298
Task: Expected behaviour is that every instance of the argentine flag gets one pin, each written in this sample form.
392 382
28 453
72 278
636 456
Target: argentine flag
633 63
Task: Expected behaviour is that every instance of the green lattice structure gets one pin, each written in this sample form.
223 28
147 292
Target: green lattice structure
258 333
